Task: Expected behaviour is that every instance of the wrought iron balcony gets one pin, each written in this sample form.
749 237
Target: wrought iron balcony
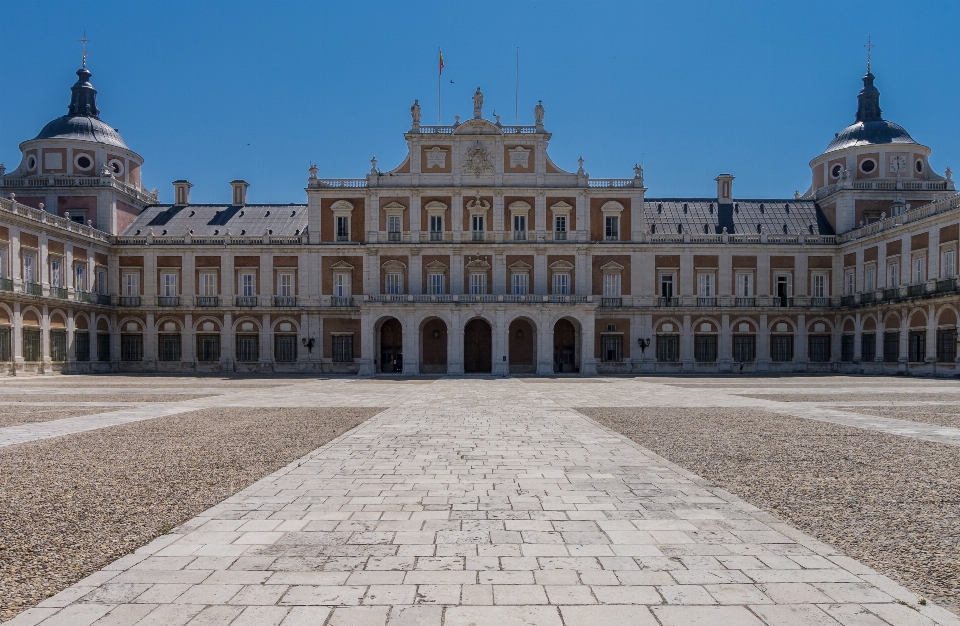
478 235
891 293
168 301
744 301
58 292
560 235
668 302
820 301
341 301
945 285
848 300
208 301
917 290
783 301
519 235
33 289
129 300
104 299
6 284
284 301
247 301
394 236
342 237
706 301
611 303
868 297
436 235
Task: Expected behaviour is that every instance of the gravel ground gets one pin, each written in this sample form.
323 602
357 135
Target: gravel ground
943 415
892 502
70 505
851 397
14 416
101 397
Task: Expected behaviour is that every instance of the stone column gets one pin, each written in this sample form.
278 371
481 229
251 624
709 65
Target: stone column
150 347
188 291
415 216
228 344
266 343
228 278
933 254
45 360
904 355
688 281
544 346
188 351
931 345
456 271
588 359
456 217
414 276
266 280
857 338
371 219
367 345
16 337
500 345
500 222
411 345
540 285
763 344
725 349
43 265
583 219
455 344
539 216
582 272
800 357
371 272
686 343
499 272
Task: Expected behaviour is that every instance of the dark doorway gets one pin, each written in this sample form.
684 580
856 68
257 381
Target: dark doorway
477 349
564 347
433 351
522 346
391 347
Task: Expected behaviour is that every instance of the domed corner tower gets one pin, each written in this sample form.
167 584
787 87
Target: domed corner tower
78 166
871 166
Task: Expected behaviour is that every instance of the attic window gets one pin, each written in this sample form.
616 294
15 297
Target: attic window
241 213
270 231
653 229
297 232
711 208
659 207
736 209
786 208
784 229
811 229
293 214
684 207
761 209
680 228
164 232
138 231
267 214
216 232
192 213
759 229
706 229
243 232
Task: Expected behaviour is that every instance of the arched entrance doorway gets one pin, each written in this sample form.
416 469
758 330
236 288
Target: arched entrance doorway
391 347
477 347
565 347
522 346
433 347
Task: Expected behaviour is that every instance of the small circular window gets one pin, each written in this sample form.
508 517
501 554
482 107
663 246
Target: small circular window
83 162
868 165
116 166
836 170
919 166
31 163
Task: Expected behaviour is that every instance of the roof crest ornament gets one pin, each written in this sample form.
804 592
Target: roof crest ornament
869 46
83 49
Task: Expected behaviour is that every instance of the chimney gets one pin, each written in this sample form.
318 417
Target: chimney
181 192
239 191
724 188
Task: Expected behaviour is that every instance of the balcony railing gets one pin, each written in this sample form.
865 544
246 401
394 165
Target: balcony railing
33 289
104 299
868 297
394 236
341 301
436 235
478 235
6 284
85 296
566 299
745 301
208 301
129 300
848 300
611 303
560 235
668 302
284 301
915 291
706 301
58 292
945 285
820 301
783 301
519 235
611 238
342 237
432 297
247 301
168 301
891 293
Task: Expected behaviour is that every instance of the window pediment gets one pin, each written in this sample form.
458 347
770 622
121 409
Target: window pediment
561 207
394 266
612 207
341 206
519 207
394 207
436 266
477 265
342 266
435 208
478 205
610 267
520 266
561 266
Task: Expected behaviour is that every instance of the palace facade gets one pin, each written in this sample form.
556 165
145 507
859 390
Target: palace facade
477 254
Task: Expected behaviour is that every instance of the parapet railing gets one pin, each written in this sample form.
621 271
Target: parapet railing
912 215
36 215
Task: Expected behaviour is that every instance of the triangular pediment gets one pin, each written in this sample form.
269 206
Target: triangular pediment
520 266
478 264
612 266
436 266
394 206
341 265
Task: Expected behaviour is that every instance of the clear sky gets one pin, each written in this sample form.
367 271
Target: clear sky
213 91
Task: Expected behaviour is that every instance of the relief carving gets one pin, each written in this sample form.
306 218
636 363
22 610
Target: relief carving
519 156
477 161
436 157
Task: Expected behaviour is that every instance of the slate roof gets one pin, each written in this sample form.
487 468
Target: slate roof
84 128
216 219
707 216
868 133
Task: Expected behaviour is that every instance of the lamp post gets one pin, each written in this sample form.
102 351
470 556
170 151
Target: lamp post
644 344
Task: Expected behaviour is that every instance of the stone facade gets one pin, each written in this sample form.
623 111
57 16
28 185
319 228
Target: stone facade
479 254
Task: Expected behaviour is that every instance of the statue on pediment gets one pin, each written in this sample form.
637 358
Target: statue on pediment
415 112
538 112
478 104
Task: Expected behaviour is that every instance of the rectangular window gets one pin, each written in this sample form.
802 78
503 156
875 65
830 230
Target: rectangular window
946 345
131 284
285 348
29 268
868 347
668 348
846 348
343 228
31 344
131 347
101 281
666 285
476 227
919 269
520 227
848 283
893 274
870 279
341 285
612 348
81 344
169 347
561 284
745 285
81 283
478 283
705 348
248 285
6 351
58 345
343 348
168 285
819 285
208 348
3 262
560 227
394 282
891 346
208 284
56 272
917 346
611 285
285 284
435 284
819 348
705 285
520 283
949 264
248 348
744 348
103 347
611 228
394 227
781 348
436 227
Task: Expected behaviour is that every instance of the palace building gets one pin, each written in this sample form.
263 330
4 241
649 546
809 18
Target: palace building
477 254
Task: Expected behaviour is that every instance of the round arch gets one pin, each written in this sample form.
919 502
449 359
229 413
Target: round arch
434 338
388 334
567 334
947 316
478 345
917 319
522 345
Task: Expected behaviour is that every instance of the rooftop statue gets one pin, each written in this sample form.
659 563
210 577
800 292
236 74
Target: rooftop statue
478 104
538 112
415 112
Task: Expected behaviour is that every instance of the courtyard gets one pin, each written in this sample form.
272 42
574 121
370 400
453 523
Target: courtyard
475 501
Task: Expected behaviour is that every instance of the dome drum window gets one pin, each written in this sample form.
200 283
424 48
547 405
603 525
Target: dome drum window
116 166
83 162
31 163
919 166
835 171
867 166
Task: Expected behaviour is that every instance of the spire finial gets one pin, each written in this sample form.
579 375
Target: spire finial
869 46
83 49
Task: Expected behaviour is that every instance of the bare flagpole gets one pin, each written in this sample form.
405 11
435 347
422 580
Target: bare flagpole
439 74
516 92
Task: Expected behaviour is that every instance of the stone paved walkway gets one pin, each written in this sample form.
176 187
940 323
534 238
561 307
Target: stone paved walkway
484 502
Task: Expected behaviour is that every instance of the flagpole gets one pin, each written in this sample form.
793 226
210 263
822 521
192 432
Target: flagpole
439 74
516 92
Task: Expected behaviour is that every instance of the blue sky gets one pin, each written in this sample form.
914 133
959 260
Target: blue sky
213 91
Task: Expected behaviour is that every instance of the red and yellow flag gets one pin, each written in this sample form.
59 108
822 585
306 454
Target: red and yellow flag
441 62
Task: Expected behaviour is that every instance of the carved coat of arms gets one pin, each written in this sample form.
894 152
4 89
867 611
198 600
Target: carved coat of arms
477 161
